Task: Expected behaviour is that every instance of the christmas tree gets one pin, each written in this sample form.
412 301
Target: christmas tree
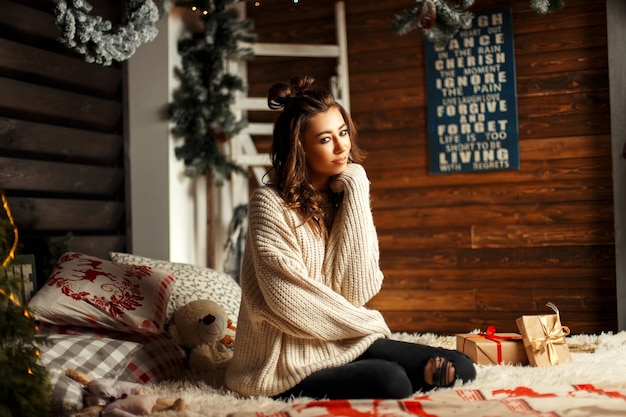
200 111
24 384
439 20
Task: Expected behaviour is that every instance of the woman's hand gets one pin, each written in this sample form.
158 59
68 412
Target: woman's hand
352 172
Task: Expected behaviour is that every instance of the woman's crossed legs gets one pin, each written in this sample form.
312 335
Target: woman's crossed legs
388 369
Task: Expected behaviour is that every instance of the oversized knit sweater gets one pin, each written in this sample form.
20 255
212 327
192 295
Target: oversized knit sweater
303 297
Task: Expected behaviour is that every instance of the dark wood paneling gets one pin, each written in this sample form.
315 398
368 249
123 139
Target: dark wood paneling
32 22
507 279
33 101
497 236
527 192
463 251
61 145
488 258
32 25
33 175
72 73
493 236
495 214
48 214
549 170
450 322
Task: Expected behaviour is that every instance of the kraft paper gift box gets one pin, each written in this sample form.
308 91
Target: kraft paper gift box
544 338
491 348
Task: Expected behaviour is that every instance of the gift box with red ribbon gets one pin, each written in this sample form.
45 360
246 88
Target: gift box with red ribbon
491 348
544 338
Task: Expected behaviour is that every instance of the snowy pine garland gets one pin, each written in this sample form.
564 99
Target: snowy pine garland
441 19
99 40
201 108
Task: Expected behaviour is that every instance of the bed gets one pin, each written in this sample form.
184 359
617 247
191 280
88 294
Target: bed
78 313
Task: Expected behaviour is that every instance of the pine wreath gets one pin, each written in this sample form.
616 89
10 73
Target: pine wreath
101 41
441 19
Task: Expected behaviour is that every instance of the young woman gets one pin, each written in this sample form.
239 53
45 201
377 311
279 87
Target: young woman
310 265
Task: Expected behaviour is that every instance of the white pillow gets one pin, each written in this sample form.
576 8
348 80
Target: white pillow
193 283
87 291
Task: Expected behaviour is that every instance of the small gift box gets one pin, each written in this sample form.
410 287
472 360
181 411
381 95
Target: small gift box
491 348
544 338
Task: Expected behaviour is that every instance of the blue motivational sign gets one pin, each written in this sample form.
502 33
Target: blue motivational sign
472 98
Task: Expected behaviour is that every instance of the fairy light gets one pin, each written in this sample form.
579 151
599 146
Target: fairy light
258 3
7 210
195 8
11 255
5 263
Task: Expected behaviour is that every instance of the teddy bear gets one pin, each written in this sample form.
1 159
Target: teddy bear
205 330
108 397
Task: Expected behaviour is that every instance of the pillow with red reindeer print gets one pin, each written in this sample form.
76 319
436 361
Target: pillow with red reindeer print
88 291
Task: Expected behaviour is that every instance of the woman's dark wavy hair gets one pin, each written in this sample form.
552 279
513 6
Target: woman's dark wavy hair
299 100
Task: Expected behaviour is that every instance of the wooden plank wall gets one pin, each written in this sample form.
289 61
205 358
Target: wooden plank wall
61 135
463 251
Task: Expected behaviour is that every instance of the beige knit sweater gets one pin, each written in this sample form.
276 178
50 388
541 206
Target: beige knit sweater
303 298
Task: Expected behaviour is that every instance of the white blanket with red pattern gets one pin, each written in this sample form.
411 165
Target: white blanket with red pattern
593 384
562 400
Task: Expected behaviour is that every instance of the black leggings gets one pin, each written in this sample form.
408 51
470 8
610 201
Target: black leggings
389 369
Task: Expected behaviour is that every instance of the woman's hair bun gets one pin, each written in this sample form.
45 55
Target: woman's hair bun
279 94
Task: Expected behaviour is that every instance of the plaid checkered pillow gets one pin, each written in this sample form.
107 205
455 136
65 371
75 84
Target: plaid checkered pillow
159 358
98 357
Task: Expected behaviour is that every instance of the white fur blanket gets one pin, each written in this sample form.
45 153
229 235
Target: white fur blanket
593 384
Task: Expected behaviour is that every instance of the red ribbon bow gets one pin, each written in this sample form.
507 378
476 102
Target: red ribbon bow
490 334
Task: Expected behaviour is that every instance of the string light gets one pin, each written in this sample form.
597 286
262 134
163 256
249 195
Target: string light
201 6
195 8
258 3
9 294
7 210
11 255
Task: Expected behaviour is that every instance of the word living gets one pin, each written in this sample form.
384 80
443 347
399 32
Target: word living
480 159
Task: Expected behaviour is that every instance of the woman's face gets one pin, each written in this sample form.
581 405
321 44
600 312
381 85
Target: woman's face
326 147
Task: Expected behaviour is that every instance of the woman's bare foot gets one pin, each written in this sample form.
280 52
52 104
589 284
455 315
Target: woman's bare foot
439 372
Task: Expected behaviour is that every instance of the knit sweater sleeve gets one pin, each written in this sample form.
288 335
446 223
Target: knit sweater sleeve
290 299
353 242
